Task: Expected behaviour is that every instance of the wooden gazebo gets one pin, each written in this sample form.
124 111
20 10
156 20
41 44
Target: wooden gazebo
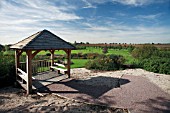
43 40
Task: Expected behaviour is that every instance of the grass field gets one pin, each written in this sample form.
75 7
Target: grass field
123 52
81 62
78 63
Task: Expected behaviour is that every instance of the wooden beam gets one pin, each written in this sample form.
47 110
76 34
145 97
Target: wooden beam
29 71
68 62
37 51
19 52
52 51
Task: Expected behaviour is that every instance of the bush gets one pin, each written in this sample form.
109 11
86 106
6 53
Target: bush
105 50
92 55
157 65
145 52
7 70
106 63
153 59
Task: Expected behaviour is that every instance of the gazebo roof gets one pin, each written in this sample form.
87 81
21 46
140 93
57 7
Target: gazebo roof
43 40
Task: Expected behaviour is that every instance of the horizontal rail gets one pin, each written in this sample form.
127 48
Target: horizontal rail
57 64
21 71
22 74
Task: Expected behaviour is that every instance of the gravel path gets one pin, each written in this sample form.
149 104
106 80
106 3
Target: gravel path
140 91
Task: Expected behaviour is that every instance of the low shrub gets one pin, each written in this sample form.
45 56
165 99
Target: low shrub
145 52
106 63
152 59
84 56
92 55
157 65
7 70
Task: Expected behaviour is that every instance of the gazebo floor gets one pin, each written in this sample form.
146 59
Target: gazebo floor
44 79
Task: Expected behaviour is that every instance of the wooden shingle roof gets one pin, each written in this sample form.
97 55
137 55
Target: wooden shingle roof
43 40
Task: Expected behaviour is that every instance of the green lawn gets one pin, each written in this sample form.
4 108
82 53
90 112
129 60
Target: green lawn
87 50
78 63
125 53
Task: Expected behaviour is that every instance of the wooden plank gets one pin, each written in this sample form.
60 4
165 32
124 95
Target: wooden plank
25 85
22 85
21 71
41 83
57 64
60 69
24 77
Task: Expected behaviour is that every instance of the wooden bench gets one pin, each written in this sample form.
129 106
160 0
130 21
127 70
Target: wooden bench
59 69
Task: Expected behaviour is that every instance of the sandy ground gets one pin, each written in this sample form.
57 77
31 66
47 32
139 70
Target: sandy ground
15 100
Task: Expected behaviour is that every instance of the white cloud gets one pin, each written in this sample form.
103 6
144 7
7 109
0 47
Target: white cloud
149 17
133 2
88 4
30 11
118 33
128 2
21 18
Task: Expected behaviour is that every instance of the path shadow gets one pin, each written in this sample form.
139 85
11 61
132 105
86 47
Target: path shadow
158 104
94 86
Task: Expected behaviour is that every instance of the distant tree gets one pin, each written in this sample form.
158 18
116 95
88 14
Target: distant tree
87 43
1 47
105 50
75 43
6 48
81 42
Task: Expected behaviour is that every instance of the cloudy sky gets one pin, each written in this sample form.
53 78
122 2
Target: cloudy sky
95 21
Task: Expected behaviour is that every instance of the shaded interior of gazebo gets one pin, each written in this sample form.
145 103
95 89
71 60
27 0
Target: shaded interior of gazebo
43 40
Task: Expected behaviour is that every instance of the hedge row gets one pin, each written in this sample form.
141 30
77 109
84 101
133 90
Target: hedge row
153 59
106 62
7 70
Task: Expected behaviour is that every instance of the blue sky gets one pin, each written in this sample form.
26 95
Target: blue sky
94 21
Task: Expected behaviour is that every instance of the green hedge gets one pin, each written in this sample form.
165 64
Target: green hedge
106 62
7 70
157 65
153 59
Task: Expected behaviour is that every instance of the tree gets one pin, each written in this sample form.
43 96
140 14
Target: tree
87 43
1 47
105 50
145 52
6 48
75 43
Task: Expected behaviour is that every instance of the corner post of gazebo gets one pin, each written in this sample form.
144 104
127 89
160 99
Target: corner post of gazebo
17 57
52 57
29 71
16 62
68 62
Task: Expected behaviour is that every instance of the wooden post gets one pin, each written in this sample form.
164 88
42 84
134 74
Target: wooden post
29 71
52 57
68 62
16 62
